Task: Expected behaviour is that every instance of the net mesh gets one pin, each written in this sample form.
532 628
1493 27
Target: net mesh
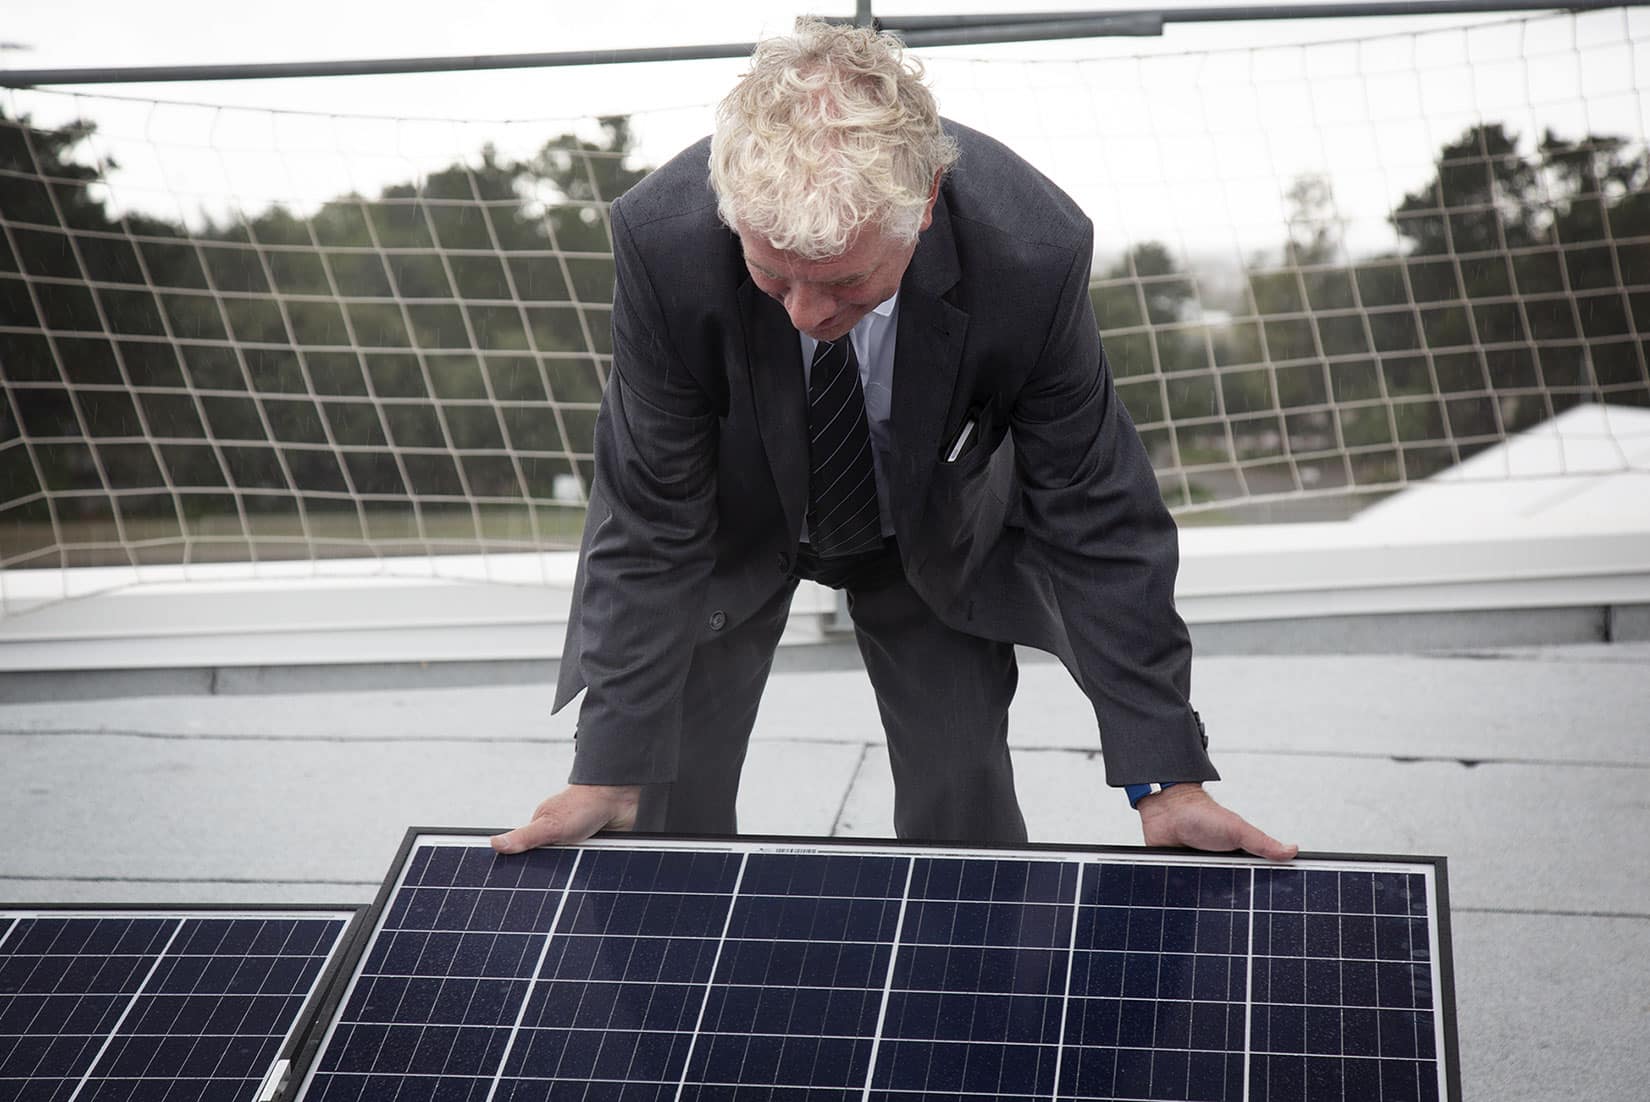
1324 271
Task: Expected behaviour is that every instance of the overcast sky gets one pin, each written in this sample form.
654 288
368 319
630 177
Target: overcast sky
92 33
1134 127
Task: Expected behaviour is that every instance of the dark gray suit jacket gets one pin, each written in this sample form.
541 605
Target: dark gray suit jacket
1049 532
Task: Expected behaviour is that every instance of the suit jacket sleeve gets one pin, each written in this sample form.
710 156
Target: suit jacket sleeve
1093 508
648 544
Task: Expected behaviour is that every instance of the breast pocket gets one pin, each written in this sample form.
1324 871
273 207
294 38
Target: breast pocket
974 486
968 445
968 464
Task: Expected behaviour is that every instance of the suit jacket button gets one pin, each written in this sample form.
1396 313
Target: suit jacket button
784 563
718 620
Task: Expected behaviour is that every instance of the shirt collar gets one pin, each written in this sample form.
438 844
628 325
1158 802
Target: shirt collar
886 306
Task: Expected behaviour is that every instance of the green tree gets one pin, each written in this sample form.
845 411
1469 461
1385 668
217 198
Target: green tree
1146 303
44 194
1484 197
1600 222
466 300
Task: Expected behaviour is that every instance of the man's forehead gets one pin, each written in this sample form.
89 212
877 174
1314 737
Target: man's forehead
862 257
814 270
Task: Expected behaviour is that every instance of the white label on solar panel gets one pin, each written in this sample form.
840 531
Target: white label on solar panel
272 1081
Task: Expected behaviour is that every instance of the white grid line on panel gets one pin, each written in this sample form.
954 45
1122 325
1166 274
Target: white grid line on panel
710 980
888 981
1249 988
1071 961
527 994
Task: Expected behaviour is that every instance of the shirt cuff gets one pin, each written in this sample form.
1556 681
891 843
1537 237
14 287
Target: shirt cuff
1138 792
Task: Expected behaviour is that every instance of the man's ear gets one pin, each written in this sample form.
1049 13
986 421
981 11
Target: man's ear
933 197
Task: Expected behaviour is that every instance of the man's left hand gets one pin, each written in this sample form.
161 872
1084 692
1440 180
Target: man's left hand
1185 815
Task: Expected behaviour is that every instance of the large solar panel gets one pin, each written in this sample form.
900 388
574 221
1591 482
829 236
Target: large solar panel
633 968
156 1004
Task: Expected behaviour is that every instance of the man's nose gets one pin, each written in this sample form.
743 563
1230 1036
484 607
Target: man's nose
808 306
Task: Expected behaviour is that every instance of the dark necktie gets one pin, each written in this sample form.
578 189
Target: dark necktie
842 486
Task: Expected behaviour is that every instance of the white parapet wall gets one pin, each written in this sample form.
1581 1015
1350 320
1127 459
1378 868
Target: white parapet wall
1233 582
1544 539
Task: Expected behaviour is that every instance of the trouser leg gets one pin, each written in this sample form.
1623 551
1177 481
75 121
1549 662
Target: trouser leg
944 698
719 702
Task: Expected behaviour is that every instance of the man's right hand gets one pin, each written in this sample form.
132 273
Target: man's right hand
572 815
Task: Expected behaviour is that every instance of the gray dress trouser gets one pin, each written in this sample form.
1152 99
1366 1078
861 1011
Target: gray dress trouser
943 696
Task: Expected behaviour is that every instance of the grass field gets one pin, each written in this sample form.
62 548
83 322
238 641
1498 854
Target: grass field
372 532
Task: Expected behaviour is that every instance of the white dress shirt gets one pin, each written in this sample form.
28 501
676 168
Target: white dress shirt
873 341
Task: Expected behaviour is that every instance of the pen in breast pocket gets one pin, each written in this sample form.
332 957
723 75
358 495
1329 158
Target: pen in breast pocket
961 441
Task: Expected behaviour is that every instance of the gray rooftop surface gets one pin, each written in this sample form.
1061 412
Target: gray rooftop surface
1527 768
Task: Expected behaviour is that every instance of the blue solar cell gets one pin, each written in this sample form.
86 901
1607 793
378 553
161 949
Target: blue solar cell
556 1053
1357 982
1112 885
1404 985
764 917
1215 978
1281 889
1140 975
1137 1020
1357 936
1183 888
1147 884
1217 1027
1097 973
1281 934
856 877
1179 931
1145 930
1356 892
1359 1032
1322 891
1391 891
1105 927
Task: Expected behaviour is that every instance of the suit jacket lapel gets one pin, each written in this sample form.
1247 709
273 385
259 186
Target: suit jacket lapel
927 352
780 401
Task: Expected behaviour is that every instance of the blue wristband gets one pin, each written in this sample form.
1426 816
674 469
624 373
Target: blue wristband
1138 792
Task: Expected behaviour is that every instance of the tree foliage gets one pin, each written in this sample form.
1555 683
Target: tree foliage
1518 292
401 346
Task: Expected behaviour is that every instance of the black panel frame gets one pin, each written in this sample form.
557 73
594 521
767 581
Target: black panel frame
330 1002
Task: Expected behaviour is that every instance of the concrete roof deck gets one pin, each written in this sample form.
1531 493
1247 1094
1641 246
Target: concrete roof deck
1526 767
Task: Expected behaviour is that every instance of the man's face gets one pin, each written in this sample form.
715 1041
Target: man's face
827 298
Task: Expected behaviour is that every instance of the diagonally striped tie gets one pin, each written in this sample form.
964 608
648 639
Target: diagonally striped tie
842 485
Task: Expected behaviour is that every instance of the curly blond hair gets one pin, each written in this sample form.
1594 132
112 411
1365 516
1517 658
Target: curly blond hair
831 130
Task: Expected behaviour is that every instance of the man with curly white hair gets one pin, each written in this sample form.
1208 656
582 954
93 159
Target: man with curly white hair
853 342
